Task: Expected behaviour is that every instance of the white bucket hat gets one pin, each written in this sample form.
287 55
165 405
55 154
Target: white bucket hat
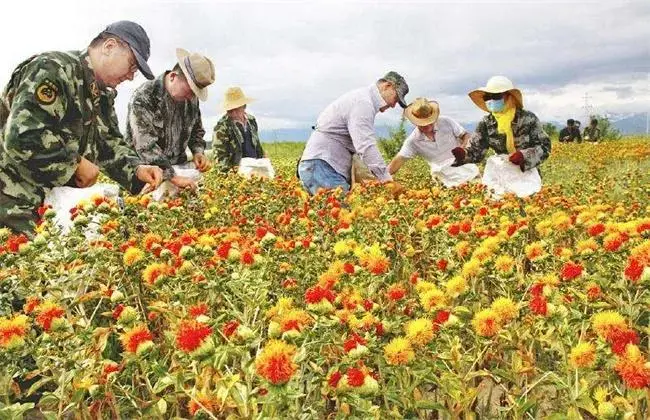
496 84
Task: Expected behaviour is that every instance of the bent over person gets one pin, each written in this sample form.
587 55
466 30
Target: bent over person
347 127
58 125
164 116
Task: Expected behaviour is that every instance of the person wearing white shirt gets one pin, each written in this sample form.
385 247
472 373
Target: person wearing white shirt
433 139
346 127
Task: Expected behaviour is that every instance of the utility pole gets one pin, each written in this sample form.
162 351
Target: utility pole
588 109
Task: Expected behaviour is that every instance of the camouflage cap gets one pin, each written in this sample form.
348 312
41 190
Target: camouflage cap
134 35
400 86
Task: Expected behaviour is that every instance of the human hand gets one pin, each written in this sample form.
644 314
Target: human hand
86 173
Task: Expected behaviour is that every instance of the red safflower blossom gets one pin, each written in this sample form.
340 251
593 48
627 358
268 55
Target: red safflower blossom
223 250
334 379
538 305
368 304
619 338
14 241
317 293
453 229
118 311
47 312
537 289
433 221
571 270
247 257
135 337
633 270
229 328
356 377
466 226
396 292
414 277
191 334
348 268
31 304
442 264
352 343
197 310
379 329
593 292
596 229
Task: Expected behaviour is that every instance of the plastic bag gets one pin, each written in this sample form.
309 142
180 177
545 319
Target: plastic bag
501 177
451 176
258 167
169 190
63 199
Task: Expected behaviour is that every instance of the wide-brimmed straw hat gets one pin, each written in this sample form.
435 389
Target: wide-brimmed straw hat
198 70
496 84
422 112
234 98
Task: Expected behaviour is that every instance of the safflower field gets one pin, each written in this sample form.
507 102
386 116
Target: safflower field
248 299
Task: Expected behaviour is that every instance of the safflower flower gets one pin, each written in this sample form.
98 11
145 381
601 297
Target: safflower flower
486 323
13 331
132 255
398 351
419 331
137 340
582 355
275 362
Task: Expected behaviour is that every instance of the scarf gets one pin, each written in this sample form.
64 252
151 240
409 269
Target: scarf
504 123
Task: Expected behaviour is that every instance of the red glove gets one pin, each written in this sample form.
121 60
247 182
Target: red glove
459 153
517 158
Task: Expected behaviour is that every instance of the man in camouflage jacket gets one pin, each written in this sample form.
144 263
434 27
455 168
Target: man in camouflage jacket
164 118
58 125
236 134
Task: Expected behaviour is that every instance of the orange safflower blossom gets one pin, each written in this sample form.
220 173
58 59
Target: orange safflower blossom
633 368
276 362
13 331
137 340
486 323
582 355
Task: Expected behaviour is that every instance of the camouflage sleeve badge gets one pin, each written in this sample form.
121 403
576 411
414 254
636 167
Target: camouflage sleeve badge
46 92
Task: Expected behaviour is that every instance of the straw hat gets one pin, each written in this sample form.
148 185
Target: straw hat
198 70
496 84
234 98
422 112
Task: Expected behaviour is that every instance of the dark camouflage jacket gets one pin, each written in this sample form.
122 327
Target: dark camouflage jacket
161 129
591 134
227 141
530 139
53 113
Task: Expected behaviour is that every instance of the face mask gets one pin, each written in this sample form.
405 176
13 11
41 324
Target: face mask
495 105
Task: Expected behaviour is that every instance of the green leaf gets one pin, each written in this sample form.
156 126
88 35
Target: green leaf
163 383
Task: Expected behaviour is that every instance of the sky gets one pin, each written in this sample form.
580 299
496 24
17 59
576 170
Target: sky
296 57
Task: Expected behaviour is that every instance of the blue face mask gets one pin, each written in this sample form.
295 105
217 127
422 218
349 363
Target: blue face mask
495 105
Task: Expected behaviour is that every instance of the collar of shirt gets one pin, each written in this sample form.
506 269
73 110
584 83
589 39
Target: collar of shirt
377 100
94 85
420 136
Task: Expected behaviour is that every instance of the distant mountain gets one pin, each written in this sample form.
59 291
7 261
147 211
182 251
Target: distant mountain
626 123
631 124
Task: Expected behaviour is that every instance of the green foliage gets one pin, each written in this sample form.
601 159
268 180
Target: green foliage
550 129
391 145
